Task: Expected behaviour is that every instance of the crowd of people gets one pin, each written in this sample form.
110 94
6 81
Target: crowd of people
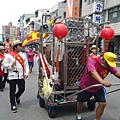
15 67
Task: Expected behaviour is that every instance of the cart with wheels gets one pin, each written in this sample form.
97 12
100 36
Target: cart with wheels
63 64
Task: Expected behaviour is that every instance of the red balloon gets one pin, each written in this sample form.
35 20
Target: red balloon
107 33
60 30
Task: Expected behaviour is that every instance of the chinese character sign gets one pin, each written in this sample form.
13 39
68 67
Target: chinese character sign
97 18
98 7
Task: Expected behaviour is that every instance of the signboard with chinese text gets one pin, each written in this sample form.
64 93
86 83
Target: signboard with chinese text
97 18
98 7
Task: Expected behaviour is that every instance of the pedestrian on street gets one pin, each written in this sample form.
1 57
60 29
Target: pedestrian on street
17 65
5 72
94 51
30 56
7 45
2 51
96 71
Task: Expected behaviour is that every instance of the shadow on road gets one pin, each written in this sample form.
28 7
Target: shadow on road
27 104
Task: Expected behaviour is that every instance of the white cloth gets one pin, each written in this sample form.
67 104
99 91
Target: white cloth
7 63
5 70
62 48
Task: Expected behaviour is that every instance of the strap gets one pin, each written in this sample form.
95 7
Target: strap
46 68
103 72
18 58
57 59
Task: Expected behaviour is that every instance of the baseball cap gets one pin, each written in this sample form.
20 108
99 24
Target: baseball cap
16 42
93 46
110 58
2 48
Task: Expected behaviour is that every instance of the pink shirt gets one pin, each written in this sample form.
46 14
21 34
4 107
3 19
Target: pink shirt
30 55
87 79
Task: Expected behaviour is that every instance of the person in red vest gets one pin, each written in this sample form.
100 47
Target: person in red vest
18 69
95 72
2 51
93 51
7 45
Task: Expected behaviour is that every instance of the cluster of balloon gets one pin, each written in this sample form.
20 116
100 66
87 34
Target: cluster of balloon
107 33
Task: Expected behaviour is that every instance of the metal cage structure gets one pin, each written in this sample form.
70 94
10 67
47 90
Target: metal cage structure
72 61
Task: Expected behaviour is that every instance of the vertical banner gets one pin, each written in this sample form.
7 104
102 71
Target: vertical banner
73 8
69 8
76 8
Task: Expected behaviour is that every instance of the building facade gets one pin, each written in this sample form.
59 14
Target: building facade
58 10
29 25
9 31
109 11
21 25
38 18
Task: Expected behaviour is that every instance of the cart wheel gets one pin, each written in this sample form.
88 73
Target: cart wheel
41 102
51 112
91 105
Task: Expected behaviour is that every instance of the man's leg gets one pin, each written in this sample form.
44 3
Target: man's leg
29 63
1 83
12 84
32 65
79 107
100 110
81 98
100 98
21 89
79 110
5 79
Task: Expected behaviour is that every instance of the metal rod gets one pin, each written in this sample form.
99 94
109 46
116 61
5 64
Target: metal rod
92 86
65 68
113 91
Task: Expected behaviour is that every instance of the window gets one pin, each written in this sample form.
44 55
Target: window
118 15
56 13
118 48
36 14
114 14
64 14
89 2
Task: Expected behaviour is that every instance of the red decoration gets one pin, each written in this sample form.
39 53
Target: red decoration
107 33
60 30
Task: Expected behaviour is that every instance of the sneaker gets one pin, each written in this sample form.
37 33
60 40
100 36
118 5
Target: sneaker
14 109
18 100
78 119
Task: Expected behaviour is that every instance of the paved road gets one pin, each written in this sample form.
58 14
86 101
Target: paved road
29 108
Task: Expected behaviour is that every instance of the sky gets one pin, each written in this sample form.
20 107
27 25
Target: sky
11 10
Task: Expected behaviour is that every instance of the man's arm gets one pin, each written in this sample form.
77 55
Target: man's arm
97 77
117 74
6 63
